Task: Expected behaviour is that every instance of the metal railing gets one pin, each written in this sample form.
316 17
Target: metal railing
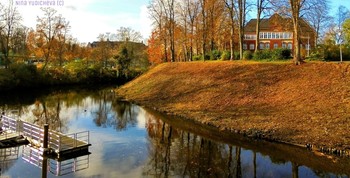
34 133
60 168
9 123
56 141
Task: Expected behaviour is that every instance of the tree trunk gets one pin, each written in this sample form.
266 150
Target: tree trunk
296 5
259 9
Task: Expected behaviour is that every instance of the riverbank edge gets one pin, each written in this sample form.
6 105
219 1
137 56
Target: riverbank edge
253 133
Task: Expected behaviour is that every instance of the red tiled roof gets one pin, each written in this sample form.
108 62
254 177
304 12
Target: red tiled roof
276 23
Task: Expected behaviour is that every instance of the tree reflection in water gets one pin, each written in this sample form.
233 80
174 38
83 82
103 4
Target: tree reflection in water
174 152
174 148
179 153
112 112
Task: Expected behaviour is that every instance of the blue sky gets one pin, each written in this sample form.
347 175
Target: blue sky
336 3
89 18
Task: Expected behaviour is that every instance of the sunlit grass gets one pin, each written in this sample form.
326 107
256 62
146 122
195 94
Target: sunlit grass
298 104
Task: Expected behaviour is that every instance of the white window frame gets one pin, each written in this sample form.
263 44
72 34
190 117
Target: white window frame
273 35
261 46
261 35
251 46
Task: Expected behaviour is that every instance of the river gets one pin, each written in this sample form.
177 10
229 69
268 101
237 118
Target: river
132 141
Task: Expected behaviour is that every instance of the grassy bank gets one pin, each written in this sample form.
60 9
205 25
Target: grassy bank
307 104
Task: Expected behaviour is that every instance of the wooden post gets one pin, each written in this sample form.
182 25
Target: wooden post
46 138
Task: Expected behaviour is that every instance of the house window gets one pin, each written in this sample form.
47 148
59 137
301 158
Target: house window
265 35
251 46
261 35
269 35
244 46
284 45
261 46
289 45
273 35
275 45
285 35
277 35
267 45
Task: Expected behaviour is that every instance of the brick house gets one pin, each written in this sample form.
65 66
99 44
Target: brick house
277 32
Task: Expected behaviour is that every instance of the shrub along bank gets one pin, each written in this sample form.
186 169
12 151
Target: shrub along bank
306 105
20 75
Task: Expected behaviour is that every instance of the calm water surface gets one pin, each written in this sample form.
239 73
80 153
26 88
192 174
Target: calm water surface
132 141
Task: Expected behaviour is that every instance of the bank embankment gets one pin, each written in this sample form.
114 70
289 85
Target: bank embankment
305 105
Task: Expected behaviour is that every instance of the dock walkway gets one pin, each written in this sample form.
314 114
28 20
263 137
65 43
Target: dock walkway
59 144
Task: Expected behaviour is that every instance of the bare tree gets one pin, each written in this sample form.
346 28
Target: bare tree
230 5
192 12
319 17
261 6
241 10
11 19
169 12
181 9
62 38
128 34
204 26
341 16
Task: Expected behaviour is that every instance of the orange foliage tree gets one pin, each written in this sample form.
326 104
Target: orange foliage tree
154 51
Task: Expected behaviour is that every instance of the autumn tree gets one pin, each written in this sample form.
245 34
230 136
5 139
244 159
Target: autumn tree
103 50
154 50
192 8
241 10
346 30
204 29
49 27
157 14
9 21
230 5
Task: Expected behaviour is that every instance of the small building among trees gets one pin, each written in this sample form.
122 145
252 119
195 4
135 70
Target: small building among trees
277 32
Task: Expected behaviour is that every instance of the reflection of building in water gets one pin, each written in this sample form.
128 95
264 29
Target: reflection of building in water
57 167
8 157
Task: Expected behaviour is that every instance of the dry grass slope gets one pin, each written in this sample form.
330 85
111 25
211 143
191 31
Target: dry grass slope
307 104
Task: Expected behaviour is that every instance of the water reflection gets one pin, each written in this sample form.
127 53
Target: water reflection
112 112
177 152
56 166
131 141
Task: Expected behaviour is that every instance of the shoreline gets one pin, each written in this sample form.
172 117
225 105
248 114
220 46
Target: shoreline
301 119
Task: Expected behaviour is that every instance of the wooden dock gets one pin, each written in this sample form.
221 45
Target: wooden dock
59 145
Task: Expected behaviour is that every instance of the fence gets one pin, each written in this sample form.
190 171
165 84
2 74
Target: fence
56 141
